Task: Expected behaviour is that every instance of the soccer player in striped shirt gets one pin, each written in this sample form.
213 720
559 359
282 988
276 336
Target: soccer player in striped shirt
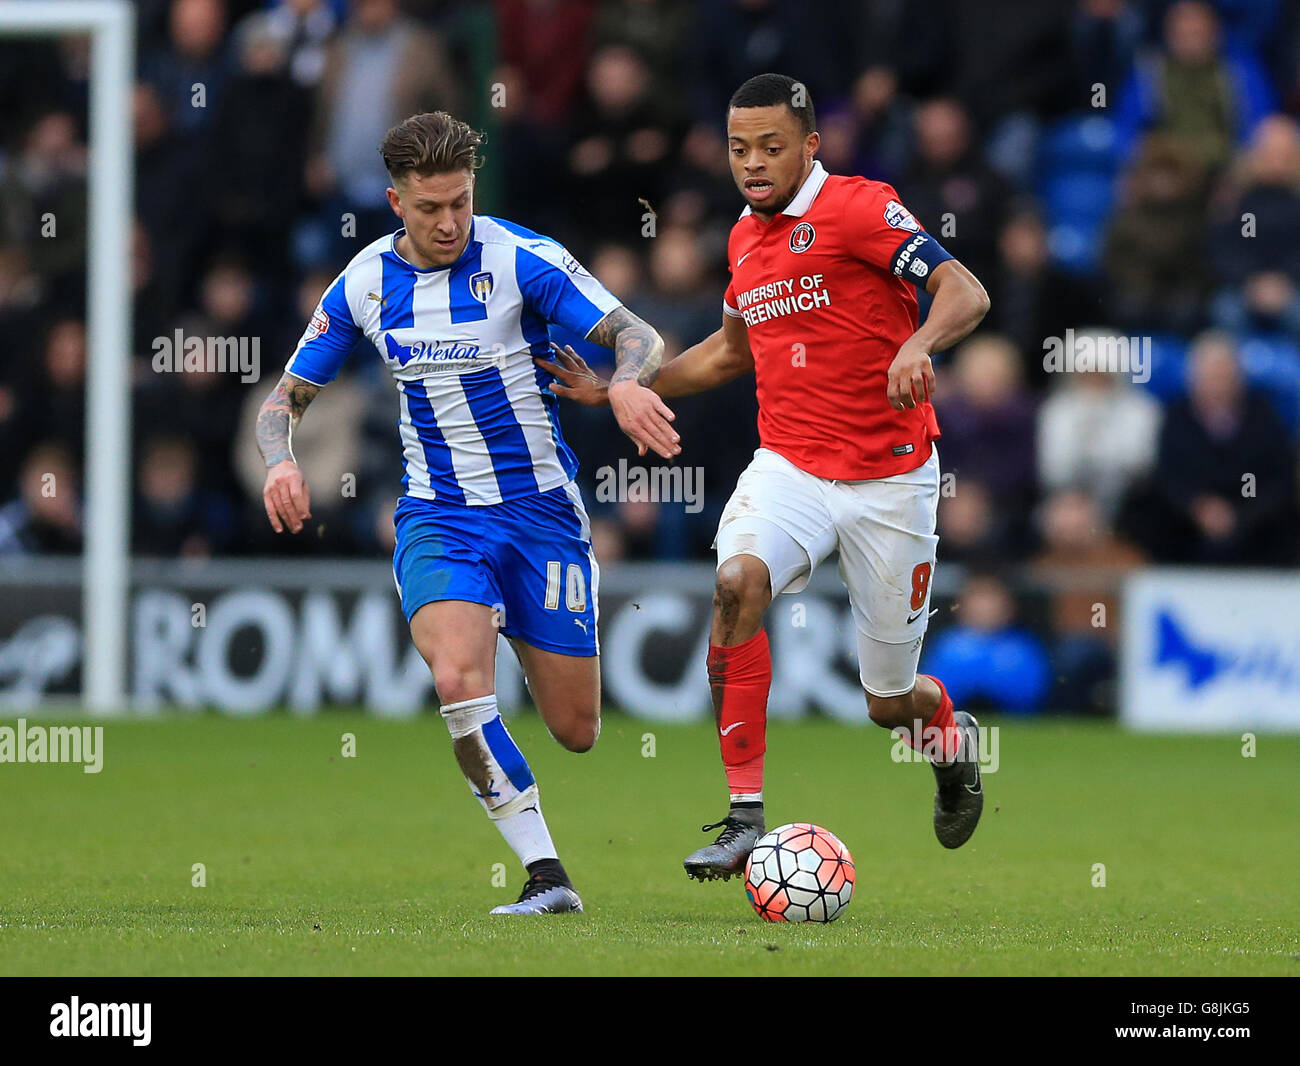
491 532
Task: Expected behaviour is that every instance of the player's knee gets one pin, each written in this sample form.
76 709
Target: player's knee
740 588
579 735
456 683
890 712
581 739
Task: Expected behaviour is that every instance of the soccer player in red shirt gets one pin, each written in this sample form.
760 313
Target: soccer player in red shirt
821 307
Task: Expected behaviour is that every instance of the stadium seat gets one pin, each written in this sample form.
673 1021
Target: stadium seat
1272 363
1077 169
1168 367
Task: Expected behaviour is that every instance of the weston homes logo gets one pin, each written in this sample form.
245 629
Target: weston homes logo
23 743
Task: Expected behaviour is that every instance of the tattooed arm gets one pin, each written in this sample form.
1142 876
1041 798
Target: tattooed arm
638 349
638 353
285 494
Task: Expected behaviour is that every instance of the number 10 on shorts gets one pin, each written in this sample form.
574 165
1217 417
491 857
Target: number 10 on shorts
575 587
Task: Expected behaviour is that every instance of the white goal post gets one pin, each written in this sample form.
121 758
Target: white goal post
106 561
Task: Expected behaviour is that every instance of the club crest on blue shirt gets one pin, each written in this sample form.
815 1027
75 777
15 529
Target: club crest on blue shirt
480 286
801 237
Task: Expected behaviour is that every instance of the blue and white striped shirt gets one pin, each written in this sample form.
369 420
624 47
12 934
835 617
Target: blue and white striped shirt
478 424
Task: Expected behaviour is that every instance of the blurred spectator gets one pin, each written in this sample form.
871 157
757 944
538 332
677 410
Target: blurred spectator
988 427
732 40
43 204
20 301
1256 248
304 29
884 126
1032 298
255 186
1104 36
657 30
203 404
31 80
682 300
620 153
700 193
1194 92
1155 249
169 174
46 515
1005 59
150 311
546 42
381 68
953 193
56 401
984 658
1224 487
1097 433
173 514
971 529
1083 562
191 70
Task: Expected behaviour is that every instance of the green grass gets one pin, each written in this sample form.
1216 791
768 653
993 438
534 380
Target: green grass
382 864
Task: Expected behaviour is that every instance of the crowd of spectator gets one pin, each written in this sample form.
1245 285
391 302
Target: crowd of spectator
1107 167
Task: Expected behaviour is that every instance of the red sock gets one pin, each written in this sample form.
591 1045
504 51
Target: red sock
740 678
940 729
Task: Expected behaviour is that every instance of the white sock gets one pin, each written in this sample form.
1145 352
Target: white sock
526 833
499 776
746 797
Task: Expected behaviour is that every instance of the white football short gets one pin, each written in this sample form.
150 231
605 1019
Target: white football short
884 531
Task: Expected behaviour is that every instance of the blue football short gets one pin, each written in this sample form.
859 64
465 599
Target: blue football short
530 559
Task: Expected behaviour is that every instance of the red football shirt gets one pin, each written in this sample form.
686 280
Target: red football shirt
826 314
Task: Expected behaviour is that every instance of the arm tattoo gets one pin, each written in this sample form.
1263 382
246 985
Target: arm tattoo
280 412
638 349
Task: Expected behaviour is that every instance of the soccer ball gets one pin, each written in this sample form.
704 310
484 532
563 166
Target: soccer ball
799 873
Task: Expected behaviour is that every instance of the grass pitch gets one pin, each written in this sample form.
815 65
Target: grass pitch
317 864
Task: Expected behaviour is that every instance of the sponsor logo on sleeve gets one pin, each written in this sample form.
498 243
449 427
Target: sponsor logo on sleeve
573 266
320 323
900 217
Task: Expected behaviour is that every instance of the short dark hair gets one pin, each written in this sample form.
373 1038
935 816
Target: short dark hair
770 90
431 143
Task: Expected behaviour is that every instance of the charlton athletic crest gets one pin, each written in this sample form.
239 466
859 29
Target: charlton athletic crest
801 237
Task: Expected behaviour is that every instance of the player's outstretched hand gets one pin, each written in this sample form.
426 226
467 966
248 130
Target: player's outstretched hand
285 497
911 378
574 379
644 417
